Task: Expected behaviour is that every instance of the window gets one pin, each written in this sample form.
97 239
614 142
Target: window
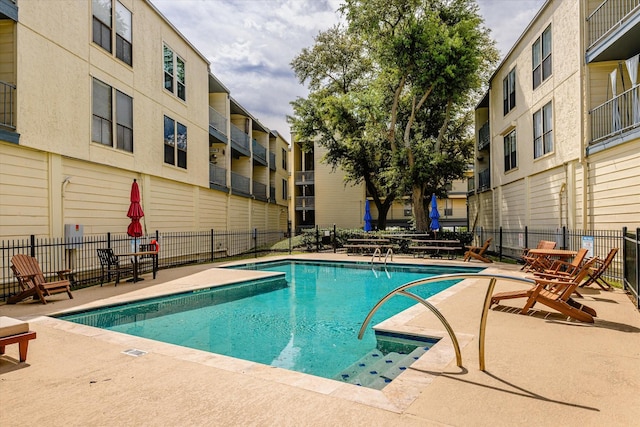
509 91
510 152
541 57
284 159
543 131
175 143
102 124
174 75
124 122
285 193
104 21
123 34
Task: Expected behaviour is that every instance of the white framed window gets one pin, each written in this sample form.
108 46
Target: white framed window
509 91
175 143
174 73
510 151
543 131
541 57
102 126
104 20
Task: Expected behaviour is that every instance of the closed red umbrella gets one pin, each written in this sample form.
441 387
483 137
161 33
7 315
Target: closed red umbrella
135 212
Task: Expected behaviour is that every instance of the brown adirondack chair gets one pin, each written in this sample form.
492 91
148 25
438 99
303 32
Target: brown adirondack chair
535 262
600 266
477 252
563 268
32 281
554 293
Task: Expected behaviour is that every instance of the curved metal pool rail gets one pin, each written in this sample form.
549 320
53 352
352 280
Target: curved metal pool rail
401 290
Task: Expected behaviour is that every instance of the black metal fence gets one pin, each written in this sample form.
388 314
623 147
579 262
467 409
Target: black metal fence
631 262
176 249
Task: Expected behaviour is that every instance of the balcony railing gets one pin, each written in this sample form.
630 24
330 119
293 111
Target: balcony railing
483 137
305 203
607 16
305 178
484 179
272 193
217 175
259 191
217 121
7 102
259 152
240 140
272 160
240 183
617 115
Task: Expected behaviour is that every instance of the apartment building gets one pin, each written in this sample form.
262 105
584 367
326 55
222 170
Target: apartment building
97 93
558 132
322 197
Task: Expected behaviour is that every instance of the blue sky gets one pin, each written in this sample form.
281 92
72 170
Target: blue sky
250 43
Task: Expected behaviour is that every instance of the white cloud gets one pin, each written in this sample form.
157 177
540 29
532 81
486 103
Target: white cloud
250 43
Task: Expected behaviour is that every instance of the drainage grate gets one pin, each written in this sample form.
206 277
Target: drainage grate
135 352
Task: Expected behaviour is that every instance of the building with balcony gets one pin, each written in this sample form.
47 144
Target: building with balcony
321 197
120 95
558 132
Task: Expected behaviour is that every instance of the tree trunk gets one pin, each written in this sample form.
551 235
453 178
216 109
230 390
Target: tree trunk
419 211
383 210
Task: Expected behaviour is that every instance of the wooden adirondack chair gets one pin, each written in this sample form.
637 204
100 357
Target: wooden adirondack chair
477 252
600 266
32 280
554 293
563 268
535 262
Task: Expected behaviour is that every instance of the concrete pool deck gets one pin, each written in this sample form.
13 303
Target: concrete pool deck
540 368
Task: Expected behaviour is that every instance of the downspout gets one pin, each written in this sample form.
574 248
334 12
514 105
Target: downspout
563 189
584 134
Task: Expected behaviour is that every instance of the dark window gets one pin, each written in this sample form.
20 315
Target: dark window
102 23
101 127
541 57
124 121
285 193
510 151
174 73
284 159
543 131
169 141
175 143
509 91
103 114
123 34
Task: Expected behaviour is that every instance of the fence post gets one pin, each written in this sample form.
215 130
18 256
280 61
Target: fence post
109 240
255 242
33 246
334 238
500 253
564 237
526 236
213 246
317 239
289 234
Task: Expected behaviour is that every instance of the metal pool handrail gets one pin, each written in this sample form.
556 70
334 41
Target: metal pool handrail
401 290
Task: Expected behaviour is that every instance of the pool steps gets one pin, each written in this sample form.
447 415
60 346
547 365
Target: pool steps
376 370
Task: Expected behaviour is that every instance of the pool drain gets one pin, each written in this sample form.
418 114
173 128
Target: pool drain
135 352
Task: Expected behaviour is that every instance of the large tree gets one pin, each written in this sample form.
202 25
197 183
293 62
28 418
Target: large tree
422 63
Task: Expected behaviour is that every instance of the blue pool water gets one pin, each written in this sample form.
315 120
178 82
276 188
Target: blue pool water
308 323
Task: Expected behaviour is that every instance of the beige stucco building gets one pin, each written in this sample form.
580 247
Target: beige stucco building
322 198
558 132
119 94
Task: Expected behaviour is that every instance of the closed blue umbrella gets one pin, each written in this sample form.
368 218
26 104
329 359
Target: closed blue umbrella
434 215
367 216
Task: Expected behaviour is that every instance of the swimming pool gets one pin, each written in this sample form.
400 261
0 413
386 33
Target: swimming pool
305 319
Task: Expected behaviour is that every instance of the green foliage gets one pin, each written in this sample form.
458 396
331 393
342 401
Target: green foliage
392 94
